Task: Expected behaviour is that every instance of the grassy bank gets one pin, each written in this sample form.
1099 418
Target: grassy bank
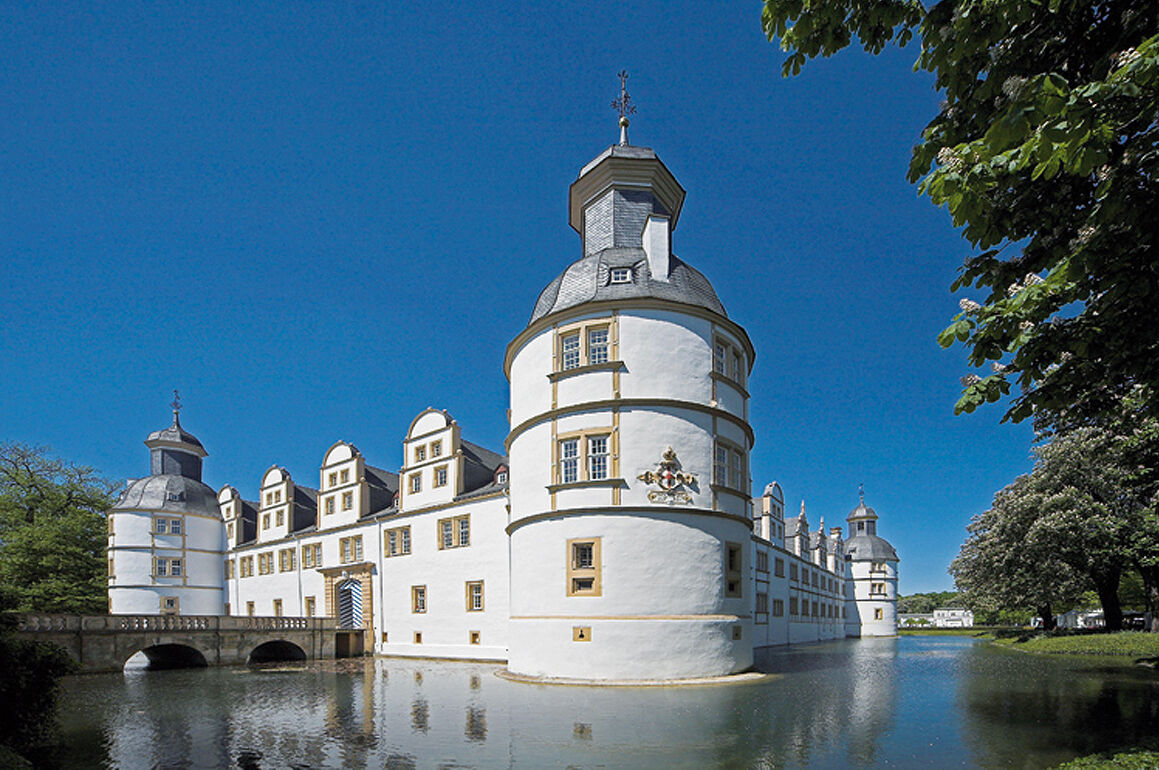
1127 644
981 631
1126 759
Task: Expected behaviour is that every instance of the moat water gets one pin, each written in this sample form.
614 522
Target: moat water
917 701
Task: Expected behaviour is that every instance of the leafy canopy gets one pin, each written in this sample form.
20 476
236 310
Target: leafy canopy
1045 152
52 532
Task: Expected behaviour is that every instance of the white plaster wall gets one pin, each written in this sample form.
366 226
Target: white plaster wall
530 387
134 589
447 623
667 354
662 612
867 602
530 456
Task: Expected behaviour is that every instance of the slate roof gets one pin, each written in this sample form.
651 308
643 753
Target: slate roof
174 433
169 492
863 547
588 279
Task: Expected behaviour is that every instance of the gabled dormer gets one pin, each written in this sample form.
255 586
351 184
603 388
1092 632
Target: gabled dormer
275 504
239 516
349 488
432 470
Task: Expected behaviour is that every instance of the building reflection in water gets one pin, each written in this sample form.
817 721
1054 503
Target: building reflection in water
872 702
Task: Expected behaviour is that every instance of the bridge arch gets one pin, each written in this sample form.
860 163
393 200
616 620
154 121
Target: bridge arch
275 650
159 657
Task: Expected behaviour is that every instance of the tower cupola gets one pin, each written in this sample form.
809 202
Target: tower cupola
174 451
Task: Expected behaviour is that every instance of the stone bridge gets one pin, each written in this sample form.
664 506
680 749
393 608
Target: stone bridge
105 642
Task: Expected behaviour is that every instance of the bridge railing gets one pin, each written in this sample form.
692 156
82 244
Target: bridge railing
43 622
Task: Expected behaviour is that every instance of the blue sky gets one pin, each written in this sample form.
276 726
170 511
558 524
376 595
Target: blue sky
316 220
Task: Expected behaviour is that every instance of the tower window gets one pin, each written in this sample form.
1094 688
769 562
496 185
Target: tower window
621 275
570 347
583 567
598 346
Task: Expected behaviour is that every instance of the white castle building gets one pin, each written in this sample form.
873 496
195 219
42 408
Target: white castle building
614 538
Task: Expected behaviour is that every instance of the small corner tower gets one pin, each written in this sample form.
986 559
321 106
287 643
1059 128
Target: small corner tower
872 609
166 537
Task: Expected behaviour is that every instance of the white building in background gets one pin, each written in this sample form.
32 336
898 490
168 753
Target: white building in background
616 538
953 617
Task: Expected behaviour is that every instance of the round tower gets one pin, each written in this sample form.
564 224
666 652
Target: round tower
629 445
872 610
166 538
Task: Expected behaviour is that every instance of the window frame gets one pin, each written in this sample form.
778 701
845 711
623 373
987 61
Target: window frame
470 587
585 458
733 570
456 532
350 549
396 541
576 572
575 350
418 600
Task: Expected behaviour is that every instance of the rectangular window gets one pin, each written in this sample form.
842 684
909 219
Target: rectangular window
420 454
597 458
720 465
877 588
584 567
269 498
278 496
347 501
229 531
418 599
762 606
277 608
229 569
281 517
728 361
312 555
762 561
350 549
311 606
569 345
397 541
598 346
161 526
333 479
286 560
815 575
265 521
734 469
166 567
170 605
265 563
109 522
246 566
719 353
792 572
778 608
878 614
328 506
249 609
475 596
569 460
732 571
793 606
779 568
111 566
345 476
416 482
436 449
454 532
877 566
441 476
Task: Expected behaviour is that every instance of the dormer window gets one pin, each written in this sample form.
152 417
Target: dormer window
621 275
501 477
420 454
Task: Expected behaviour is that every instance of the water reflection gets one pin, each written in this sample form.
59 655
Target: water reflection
908 702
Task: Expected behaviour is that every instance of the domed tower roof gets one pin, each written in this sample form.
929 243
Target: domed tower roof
625 205
863 543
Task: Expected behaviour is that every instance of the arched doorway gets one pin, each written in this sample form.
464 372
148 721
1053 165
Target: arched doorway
165 656
277 650
348 595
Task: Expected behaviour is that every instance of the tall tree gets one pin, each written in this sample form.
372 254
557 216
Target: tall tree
52 532
1046 153
1001 566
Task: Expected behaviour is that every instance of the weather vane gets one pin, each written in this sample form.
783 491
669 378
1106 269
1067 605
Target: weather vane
624 106
176 404
861 492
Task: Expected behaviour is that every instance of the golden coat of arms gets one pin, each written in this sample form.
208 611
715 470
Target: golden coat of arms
670 479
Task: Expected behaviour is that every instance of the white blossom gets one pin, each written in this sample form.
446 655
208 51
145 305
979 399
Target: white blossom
1031 279
969 379
997 367
948 159
1123 58
969 305
1013 289
1026 326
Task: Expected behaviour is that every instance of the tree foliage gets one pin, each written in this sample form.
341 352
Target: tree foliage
52 532
1045 152
1077 521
